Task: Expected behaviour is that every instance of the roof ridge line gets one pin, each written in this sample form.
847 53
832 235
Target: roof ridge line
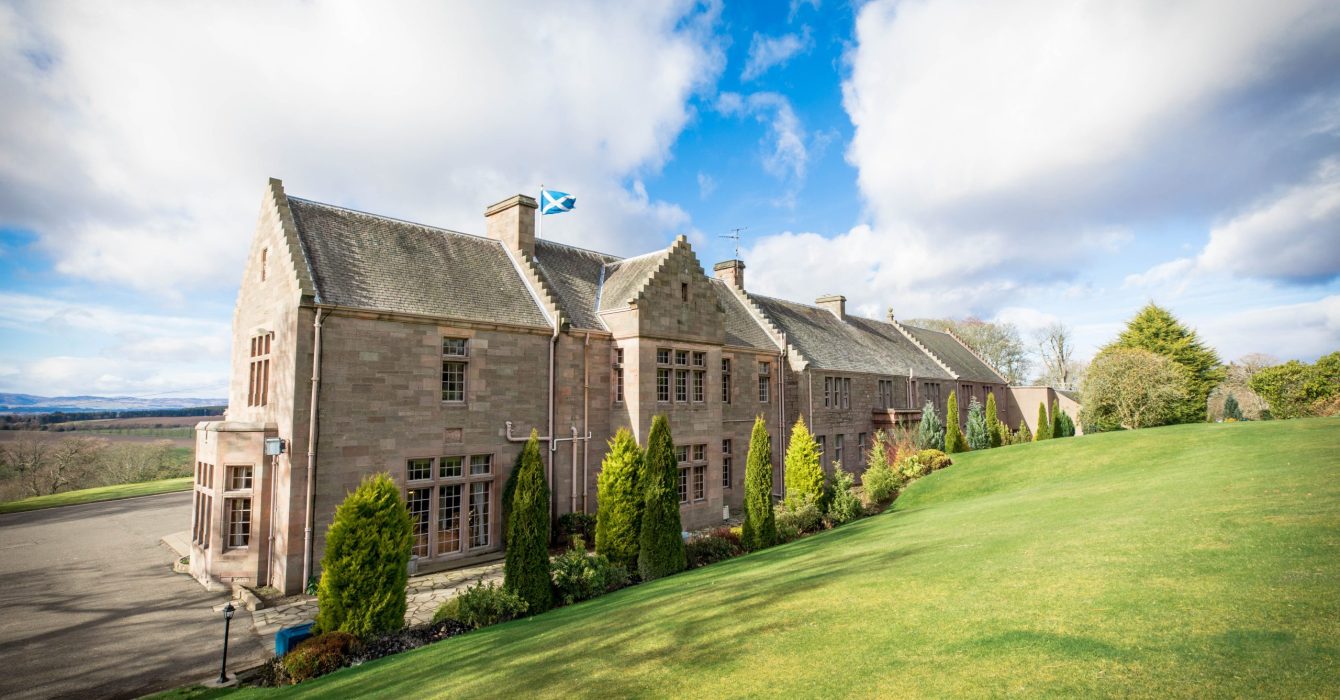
774 333
384 217
550 241
918 343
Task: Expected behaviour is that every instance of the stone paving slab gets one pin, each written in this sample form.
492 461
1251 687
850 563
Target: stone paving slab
424 595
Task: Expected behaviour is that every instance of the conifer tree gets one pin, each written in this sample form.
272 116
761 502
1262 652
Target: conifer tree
1155 329
365 567
1023 435
930 434
619 516
1231 409
661 550
954 441
526 570
1044 423
804 473
760 529
1058 426
993 424
977 437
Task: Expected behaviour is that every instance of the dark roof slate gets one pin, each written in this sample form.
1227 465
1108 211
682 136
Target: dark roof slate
574 275
741 328
372 262
951 352
851 346
625 278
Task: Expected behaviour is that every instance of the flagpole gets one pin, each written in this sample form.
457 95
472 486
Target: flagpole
539 222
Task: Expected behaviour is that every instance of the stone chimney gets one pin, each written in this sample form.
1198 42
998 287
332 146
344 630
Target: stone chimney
512 221
731 272
835 304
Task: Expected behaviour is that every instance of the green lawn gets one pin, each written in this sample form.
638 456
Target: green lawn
1199 560
100 493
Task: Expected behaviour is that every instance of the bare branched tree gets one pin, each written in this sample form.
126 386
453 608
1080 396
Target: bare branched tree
1056 351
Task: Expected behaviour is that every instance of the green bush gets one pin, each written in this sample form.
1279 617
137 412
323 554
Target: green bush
661 550
1044 424
1058 424
804 473
930 433
759 529
935 458
1067 425
915 466
978 436
526 571
1023 435
798 518
1231 409
319 655
579 576
619 516
365 567
954 441
574 525
1296 389
880 480
846 505
481 605
995 432
710 549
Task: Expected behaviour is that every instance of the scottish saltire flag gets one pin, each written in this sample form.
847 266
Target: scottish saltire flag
552 202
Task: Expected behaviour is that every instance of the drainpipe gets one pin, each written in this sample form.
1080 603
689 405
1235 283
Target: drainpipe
586 425
781 372
553 351
572 503
311 450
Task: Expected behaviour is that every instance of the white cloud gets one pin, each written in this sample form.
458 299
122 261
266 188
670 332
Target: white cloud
1302 331
797 4
1293 237
138 136
785 154
1175 273
768 52
111 376
706 185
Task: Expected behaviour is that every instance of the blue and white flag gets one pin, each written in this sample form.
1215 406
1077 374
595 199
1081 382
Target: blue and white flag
552 202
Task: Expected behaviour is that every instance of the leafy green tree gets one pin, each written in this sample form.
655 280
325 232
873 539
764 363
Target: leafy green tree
1044 424
526 571
1057 428
978 437
804 473
1131 389
1155 329
661 550
1295 389
760 525
365 567
954 441
930 433
994 427
1231 410
619 516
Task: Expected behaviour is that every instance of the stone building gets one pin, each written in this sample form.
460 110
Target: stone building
364 343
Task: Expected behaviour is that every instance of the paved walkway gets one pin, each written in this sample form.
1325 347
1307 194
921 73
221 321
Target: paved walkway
425 595
90 608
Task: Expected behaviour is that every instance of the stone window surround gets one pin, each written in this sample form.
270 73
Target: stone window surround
764 381
458 363
692 463
471 469
837 392
681 376
726 454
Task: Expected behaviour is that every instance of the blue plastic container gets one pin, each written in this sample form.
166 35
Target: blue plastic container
289 637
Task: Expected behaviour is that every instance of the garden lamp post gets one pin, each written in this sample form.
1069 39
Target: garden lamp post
228 611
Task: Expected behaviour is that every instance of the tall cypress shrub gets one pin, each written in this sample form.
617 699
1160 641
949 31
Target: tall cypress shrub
619 516
977 436
1044 423
804 473
993 424
930 433
1058 424
760 529
1024 434
526 571
954 441
365 567
1231 409
661 550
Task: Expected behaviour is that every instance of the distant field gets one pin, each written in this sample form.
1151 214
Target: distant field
101 493
179 437
137 423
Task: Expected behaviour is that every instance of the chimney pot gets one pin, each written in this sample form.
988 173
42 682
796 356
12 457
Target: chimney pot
834 303
731 272
512 221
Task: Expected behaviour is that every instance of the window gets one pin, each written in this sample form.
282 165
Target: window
681 385
823 446
618 375
662 356
886 393
764 381
692 472
239 522
239 478
838 441
683 291
481 464
844 395
725 380
699 379
451 467
725 464
860 448
479 513
699 359
454 359
258 381
265 263
419 470
662 384
417 501
828 392
682 357
449 518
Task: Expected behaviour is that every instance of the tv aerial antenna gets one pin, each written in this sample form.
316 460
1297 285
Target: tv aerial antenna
734 235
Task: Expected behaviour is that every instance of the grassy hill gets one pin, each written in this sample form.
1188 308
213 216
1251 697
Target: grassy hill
1199 560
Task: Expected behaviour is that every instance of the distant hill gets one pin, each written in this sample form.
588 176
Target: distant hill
28 403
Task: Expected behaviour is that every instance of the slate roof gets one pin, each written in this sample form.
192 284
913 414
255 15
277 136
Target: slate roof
856 345
373 262
574 275
951 352
624 279
741 328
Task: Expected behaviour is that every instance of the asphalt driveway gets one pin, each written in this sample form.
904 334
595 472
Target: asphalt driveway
90 608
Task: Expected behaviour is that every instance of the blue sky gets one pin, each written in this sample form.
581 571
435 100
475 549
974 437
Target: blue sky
1025 162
